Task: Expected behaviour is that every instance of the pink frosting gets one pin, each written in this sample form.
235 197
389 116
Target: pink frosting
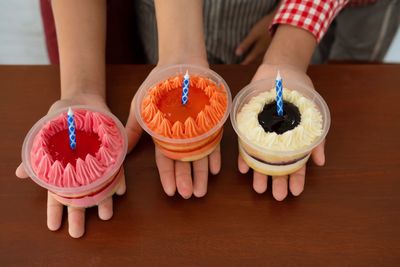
86 170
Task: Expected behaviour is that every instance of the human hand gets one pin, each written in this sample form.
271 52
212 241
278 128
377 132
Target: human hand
174 174
256 43
76 216
295 180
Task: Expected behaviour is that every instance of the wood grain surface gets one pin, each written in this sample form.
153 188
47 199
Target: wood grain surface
348 215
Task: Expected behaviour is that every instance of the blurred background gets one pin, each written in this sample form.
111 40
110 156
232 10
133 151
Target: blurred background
22 38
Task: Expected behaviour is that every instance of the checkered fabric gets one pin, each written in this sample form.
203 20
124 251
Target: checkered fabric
313 16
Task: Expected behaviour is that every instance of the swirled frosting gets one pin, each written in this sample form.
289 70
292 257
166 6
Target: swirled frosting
164 114
99 144
309 128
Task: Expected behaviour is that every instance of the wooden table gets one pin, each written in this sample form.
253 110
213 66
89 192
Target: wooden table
348 215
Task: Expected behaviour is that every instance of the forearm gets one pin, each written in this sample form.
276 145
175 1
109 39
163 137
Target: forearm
81 33
294 45
180 31
291 46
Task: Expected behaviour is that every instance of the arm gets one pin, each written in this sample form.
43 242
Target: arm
298 26
290 50
81 32
286 44
180 32
180 40
80 29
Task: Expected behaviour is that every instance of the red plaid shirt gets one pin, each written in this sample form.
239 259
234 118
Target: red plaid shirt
313 16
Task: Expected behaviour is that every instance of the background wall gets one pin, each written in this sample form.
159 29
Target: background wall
22 40
21 33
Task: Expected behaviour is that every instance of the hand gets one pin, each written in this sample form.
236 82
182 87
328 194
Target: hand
76 216
256 43
296 180
176 175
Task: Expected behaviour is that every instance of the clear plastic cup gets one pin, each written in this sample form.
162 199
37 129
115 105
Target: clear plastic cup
184 149
272 162
81 196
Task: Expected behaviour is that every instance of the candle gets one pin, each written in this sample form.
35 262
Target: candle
185 88
279 96
71 129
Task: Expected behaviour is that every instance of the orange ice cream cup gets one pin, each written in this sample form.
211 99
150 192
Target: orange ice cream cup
189 131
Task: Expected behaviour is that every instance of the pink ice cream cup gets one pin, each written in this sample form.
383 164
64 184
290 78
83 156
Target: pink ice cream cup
81 177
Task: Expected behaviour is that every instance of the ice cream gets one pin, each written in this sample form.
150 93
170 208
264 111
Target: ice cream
278 145
81 173
184 131
305 125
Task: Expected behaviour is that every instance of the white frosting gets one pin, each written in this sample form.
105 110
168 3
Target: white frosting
302 135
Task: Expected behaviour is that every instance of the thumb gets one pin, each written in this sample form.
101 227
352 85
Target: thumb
242 165
246 43
20 172
318 154
121 188
133 129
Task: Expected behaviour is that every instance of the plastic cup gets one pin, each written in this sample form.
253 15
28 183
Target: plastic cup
273 162
184 149
85 195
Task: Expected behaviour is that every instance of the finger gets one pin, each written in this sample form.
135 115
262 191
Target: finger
242 165
167 172
105 209
318 154
20 171
54 212
255 54
297 180
76 222
246 43
214 160
200 179
183 179
260 182
133 129
279 187
121 189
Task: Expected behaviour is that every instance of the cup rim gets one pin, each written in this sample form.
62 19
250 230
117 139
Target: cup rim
317 98
163 74
28 142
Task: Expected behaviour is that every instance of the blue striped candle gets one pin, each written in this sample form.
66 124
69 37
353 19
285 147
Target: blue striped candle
71 129
279 94
185 88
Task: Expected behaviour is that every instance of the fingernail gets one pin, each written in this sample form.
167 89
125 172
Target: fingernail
323 160
200 193
239 52
76 232
297 191
170 191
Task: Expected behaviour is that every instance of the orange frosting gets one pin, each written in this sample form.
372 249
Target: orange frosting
164 113
170 104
